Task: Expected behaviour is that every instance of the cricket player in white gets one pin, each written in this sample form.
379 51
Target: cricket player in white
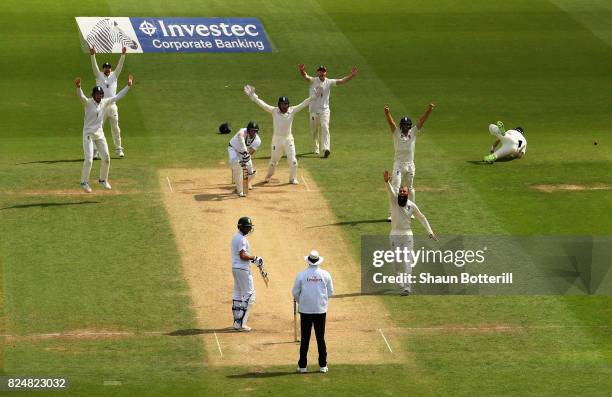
404 140
319 107
92 131
107 79
282 139
514 143
240 149
402 210
243 296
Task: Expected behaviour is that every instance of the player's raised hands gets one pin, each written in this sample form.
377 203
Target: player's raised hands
92 51
249 90
433 236
77 82
302 67
123 50
130 80
386 176
432 106
354 71
387 110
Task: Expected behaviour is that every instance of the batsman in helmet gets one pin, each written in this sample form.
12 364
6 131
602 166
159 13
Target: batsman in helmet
244 289
240 149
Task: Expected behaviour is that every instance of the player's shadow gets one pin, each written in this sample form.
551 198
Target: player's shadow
51 161
216 196
351 223
199 331
46 205
480 162
305 154
274 374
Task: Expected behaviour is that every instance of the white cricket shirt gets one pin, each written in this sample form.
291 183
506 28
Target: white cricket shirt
108 83
404 145
401 222
282 122
240 243
241 144
94 111
312 289
321 102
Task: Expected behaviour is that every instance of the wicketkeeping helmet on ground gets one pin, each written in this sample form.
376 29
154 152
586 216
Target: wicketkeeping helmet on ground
97 89
245 225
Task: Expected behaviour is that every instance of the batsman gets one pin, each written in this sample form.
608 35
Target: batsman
244 289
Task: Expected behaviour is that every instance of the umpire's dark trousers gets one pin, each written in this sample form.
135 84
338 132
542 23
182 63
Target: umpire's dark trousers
307 320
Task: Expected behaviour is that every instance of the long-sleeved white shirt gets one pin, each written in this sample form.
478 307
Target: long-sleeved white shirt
401 216
94 111
108 83
241 142
282 122
312 289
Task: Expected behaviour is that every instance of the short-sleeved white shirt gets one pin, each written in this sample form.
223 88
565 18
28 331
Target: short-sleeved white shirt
240 243
404 145
320 103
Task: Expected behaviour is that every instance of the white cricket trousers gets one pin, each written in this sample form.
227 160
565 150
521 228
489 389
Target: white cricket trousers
404 171
319 121
282 146
403 239
89 140
234 160
112 114
244 288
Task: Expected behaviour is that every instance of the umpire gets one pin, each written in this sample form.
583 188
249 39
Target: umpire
311 290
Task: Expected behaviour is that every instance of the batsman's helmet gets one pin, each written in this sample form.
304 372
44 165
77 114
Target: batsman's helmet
406 121
521 130
97 89
225 128
245 224
252 126
283 99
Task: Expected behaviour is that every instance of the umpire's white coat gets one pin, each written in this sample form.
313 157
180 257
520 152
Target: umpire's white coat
312 289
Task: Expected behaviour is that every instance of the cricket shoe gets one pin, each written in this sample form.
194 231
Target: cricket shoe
326 154
250 187
502 130
490 158
294 182
245 328
389 218
104 184
324 369
302 370
120 153
241 194
405 292
96 156
86 187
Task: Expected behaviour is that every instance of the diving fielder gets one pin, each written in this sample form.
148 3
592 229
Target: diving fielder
240 149
282 139
107 79
404 140
244 289
319 107
95 107
402 210
514 143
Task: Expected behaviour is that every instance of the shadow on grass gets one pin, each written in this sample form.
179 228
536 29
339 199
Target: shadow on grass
216 197
480 162
52 161
199 331
45 205
305 154
256 375
352 223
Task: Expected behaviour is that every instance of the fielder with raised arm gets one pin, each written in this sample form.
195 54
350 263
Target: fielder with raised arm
404 140
92 131
402 210
514 143
107 79
319 107
282 139
240 149
243 296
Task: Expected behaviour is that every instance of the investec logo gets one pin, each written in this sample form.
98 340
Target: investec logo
201 30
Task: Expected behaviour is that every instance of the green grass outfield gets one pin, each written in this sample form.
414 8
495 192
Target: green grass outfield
111 262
